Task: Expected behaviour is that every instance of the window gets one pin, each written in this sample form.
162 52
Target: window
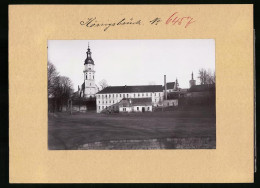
90 84
124 95
127 95
148 108
120 95
99 107
138 94
143 95
147 96
134 95
102 107
137 108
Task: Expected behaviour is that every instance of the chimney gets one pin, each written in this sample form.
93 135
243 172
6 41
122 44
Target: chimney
165 87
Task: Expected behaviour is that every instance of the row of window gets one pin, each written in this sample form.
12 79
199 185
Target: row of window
90 77
128 95
114 101
105 107
124 109
137 109
108 102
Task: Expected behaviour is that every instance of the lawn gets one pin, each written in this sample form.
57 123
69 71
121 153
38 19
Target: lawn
181 129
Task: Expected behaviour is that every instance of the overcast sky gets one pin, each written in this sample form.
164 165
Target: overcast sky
134 62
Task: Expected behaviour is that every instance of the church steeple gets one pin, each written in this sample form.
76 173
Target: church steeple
175 88
89 59
192 81
89 76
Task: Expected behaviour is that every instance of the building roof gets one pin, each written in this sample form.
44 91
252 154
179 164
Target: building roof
170 85
136 102
89 59
132 89
141 101
201 88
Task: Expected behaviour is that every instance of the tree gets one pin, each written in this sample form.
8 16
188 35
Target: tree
206 77
103 84
60 88
52 78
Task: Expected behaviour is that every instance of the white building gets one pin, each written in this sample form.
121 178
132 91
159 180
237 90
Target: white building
136 105
110 97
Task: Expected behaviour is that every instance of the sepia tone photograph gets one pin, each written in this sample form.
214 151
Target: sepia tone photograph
131 94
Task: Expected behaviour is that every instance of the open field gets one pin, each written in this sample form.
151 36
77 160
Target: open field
152 130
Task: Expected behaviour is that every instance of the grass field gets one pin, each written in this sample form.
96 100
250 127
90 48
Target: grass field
181 129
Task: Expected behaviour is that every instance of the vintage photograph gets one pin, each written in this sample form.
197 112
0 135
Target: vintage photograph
131 94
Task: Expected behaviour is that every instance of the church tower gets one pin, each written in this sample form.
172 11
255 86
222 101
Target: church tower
89 76
192 81
175 88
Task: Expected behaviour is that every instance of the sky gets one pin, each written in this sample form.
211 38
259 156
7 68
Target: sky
134 62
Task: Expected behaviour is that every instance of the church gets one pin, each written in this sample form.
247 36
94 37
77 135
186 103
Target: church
89 88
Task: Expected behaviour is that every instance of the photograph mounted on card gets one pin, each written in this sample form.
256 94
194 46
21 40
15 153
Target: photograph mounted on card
155 91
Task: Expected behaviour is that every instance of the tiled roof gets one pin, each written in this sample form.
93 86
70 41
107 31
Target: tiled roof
141 101
170 85
136 102
132 89
200 88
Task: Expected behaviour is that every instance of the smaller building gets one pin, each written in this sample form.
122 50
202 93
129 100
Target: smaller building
136 105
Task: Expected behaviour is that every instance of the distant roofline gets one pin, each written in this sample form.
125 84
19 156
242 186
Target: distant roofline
159 86
134 86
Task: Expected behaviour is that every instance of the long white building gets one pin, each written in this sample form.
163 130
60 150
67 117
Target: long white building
110 97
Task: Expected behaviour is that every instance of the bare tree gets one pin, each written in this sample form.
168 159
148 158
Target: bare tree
206 77
52 78
60 88
103 84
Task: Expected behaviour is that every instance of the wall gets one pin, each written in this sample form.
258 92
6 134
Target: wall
127 109
173 102
140 108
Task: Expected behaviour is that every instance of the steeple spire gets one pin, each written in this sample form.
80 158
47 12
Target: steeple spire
89 59
192 75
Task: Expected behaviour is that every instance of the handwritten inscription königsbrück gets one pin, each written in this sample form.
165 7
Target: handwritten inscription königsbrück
175 19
